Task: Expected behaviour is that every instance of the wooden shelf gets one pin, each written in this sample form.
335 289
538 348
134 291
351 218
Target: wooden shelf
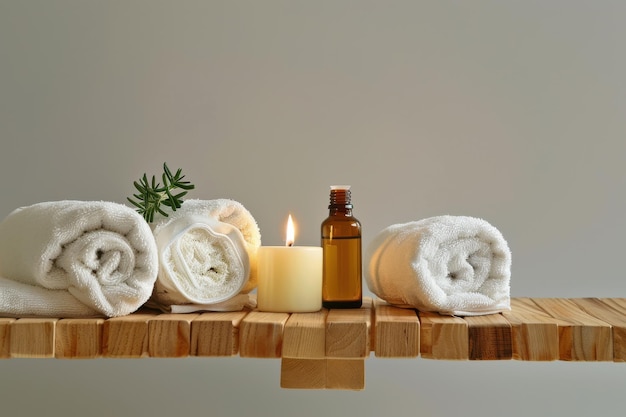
328 349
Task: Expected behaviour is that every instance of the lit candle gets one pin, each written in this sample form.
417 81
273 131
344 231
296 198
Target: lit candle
289 278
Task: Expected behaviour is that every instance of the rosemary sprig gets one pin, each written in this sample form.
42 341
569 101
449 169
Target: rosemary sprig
152 194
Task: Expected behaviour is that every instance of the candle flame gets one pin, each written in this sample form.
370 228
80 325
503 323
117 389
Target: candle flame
290 232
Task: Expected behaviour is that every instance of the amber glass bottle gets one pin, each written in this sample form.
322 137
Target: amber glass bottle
341 243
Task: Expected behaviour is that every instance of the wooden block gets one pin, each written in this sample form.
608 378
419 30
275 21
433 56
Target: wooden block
489 337
348 331
169 335
397 331
5 337
611 312
304 336
303 373
261 334
535 334
126 336
443 337
216 333
78 338
33 338
619 338
348 374
582 337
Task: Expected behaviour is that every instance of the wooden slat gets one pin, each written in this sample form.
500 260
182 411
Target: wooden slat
261 335
216 333
304 336
619 338
5 337
535 333
345 374
33 338
348 331
582 337
328 349
78 338
612 313
169 335
396 331
617 303
303 373
443 337
489 337
126 336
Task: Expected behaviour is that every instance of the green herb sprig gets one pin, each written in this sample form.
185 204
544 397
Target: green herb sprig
152 194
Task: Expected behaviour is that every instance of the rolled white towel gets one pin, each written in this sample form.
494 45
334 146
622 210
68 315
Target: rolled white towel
207 252
454 265
75 258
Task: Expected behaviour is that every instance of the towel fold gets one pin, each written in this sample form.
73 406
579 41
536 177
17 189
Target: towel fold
75 258
207 251
453 265
236 303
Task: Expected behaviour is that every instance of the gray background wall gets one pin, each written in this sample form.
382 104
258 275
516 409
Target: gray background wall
510 111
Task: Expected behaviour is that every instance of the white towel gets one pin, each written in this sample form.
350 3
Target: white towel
207 252
75 258
453 265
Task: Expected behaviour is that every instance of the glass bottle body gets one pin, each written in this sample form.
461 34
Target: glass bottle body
341 243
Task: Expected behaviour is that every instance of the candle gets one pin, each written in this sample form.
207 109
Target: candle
289 278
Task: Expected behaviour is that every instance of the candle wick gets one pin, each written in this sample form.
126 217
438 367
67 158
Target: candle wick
289 244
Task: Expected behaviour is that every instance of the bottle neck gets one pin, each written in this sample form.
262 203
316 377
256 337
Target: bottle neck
340 210
340 202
